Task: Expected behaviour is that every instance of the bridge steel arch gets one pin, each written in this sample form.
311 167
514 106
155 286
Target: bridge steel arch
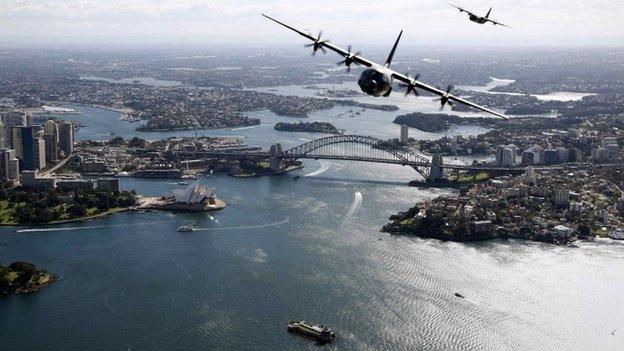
350 148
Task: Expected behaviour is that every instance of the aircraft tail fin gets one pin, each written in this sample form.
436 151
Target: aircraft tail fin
396 43
488 14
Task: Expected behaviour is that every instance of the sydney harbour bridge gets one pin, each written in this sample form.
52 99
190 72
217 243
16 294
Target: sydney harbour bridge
350 148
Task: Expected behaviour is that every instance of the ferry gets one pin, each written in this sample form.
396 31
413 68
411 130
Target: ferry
319 332
186 228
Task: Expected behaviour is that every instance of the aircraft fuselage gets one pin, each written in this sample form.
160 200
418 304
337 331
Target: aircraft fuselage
477 19
375 82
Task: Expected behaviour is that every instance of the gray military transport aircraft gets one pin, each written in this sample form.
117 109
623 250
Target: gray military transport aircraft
479 19
377 80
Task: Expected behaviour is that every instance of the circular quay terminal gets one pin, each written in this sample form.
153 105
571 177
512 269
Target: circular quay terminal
311 175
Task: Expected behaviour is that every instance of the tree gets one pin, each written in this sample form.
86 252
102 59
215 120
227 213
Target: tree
103 201
137 142
116 141
584 230
77 210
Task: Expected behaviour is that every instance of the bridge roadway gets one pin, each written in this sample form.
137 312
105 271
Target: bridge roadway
489 168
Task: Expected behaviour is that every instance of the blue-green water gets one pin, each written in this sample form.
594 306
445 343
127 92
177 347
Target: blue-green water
307 249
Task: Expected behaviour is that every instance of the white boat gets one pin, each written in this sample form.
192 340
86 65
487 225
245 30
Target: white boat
183 183
186 228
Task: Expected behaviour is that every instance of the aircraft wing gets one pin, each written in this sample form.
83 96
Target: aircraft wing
497 23
326 44
399 76
405 79
462 10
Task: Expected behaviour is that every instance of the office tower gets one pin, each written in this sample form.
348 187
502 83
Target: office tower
50 127
404 133
14 170
23 142
66 137
39 153
51 148
5 156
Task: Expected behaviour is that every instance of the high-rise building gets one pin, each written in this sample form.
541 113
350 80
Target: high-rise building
562 197
11 119
2 136
574 154
24 141
499 154
610 144
66 137
528 157
454 145
404 133
14 119
508 158
50 127
39 153
538 155
599 154
551 156
16 141
51 148
14 170
5 156
562 154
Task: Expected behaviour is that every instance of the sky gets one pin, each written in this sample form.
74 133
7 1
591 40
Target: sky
426 22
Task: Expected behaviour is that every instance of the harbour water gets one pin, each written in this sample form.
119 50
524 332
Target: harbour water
307 249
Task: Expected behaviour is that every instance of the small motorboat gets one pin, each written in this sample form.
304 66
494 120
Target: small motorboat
183 183
186 228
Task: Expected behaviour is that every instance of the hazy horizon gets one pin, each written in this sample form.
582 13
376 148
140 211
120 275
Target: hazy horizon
427 23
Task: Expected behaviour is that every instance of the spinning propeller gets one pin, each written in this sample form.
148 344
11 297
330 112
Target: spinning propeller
411 86
349 59
318 44
444 99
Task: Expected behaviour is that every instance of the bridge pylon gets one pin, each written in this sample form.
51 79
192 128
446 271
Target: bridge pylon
276 162
435 171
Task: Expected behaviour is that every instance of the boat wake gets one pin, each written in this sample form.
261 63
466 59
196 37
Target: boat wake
355 206
324 168
38 230
251 127
260 226
62 229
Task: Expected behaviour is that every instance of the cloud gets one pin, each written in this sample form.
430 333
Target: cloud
425 21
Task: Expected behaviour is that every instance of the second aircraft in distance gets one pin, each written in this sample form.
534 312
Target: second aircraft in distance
480 19
377 80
